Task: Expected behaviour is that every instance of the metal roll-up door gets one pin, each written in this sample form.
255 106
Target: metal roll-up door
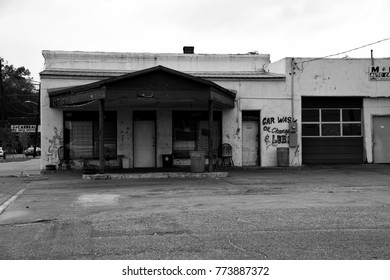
332 131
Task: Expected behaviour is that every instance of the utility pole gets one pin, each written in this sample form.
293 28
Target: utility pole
2 124
37 121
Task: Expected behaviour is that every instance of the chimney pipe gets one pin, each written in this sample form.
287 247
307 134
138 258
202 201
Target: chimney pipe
188 50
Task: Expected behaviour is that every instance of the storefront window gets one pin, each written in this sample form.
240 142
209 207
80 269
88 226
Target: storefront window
191 130
81 134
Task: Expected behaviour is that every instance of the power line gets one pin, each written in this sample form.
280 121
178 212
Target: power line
344 52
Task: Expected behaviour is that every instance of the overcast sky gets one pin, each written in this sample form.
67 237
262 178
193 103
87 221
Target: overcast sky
281 28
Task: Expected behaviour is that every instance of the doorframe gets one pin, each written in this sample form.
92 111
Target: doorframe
153 114
258 163
372 133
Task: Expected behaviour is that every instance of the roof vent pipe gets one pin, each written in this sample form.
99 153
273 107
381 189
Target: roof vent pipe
188 50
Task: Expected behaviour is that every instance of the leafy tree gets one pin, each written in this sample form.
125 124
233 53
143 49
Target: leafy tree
17 87
24 139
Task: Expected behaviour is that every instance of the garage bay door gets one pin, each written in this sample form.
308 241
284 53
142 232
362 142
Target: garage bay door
332 130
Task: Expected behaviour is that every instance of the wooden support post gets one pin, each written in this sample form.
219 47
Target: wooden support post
101 136
210 136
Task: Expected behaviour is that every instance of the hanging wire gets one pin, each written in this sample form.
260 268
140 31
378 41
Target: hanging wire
340 53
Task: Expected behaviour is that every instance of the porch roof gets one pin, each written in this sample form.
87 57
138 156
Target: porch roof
156 86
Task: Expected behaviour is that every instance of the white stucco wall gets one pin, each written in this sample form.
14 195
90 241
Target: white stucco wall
111 61
273 101
324 77
52 119
339 78
86 65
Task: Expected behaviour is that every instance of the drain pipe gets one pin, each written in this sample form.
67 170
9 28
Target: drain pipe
292 87
293 126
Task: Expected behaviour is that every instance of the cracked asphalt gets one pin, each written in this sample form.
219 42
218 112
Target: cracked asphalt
324 212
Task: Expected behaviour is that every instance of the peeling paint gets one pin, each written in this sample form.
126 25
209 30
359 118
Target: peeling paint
54 143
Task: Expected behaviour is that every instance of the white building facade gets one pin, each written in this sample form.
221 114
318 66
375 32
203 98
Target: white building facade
342 108
288 113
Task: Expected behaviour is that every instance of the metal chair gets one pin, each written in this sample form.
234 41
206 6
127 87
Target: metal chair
63 157
226 155
215 161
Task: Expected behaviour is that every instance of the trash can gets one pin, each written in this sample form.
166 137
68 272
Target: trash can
282 156
197 161
167 161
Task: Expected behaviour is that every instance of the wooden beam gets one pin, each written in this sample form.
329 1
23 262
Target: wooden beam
101 136
78 97
210 136
223 100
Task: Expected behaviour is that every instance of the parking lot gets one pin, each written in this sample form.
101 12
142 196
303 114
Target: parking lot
324 212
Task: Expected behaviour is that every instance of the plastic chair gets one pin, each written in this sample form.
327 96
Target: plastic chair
62 155
226 155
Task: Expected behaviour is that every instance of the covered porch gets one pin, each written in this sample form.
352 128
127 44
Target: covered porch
142 116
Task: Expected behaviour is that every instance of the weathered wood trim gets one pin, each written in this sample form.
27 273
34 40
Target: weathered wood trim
77 97
222 99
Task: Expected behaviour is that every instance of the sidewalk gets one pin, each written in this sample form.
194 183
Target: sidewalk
14 166
14 157
8 187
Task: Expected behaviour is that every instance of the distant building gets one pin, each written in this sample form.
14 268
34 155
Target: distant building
288 113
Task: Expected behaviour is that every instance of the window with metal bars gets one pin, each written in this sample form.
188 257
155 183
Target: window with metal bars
81 135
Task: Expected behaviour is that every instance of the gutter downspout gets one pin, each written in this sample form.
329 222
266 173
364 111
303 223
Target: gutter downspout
292 87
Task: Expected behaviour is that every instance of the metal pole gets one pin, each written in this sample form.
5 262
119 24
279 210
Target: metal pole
101 135
292 87
37 122
210 138
2 124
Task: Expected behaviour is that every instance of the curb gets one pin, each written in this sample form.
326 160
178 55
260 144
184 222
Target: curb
161 175
11 200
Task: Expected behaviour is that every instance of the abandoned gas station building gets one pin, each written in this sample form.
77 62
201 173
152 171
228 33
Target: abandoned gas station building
141 106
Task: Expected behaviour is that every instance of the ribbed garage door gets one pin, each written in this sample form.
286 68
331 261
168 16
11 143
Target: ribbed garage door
332 130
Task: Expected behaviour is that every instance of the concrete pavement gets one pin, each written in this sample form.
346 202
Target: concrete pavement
13 165
324 212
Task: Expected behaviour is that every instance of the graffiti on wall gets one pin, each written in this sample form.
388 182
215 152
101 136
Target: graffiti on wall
54 143
274 133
